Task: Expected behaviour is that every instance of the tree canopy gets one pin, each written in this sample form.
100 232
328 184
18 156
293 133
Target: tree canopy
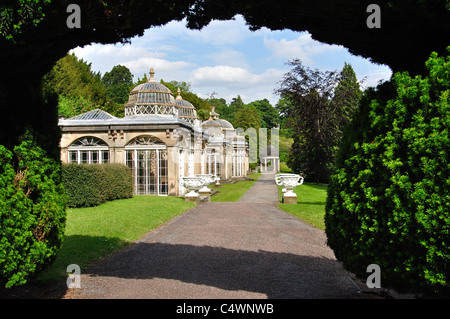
118 84
317 105
79 89
268 115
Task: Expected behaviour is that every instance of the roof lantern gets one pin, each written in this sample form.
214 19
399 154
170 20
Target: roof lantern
151 98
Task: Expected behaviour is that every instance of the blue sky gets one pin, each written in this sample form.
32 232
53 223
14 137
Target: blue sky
226 58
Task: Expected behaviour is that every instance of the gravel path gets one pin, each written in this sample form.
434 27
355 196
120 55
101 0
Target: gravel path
247 249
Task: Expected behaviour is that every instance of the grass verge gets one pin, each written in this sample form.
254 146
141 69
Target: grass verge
233 192
310 205
95 232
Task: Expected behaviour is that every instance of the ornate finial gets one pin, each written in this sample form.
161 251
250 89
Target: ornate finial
179 94
152 75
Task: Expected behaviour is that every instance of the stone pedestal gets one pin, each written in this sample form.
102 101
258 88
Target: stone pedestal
289 198
205 196
203 199
191 197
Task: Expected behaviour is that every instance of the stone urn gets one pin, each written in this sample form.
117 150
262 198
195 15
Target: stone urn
207 179
289 182
192 184
278 180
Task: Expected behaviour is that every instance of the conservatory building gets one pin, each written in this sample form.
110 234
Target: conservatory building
160 138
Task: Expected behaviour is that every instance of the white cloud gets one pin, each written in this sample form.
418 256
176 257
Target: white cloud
221 33
302 47
112 52
371 79
225 57
229 81
167 70
138 59
233 76
229 57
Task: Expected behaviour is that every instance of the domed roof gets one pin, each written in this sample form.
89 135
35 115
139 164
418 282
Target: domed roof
212 127
151 87
186 110
211 123
225 124
152 94
215 124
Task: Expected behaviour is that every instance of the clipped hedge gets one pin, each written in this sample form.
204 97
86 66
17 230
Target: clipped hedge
32 212
92 184
388 198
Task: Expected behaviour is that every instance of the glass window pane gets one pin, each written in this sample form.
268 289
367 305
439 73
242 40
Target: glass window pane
94 157
73 156
105 156
84 157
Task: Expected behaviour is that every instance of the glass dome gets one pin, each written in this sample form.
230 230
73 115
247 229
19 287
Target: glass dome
212 127
225 124
216 126
186 110
151 98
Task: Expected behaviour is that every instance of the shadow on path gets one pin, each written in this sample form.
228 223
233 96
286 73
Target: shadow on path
274 274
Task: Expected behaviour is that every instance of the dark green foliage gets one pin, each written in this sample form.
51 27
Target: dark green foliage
268 115
17 15
347 95
316 105
78 88
388 199
93 184
247 117
32 212
118 85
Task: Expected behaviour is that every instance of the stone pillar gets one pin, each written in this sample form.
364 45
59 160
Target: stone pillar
172 171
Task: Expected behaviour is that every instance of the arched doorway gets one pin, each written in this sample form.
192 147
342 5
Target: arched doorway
147 158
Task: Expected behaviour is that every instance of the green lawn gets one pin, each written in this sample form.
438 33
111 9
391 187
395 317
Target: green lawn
95 232
233 192
310 205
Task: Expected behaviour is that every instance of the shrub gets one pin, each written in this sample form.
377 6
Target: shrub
388 198
118 182
32 212
93 184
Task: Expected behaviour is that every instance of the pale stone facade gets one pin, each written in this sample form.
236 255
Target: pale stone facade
161 139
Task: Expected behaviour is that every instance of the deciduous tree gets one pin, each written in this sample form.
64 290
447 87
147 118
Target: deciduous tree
118 84
320 105
79 89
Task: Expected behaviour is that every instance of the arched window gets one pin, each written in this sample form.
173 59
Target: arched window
146 141
147 157
88 150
